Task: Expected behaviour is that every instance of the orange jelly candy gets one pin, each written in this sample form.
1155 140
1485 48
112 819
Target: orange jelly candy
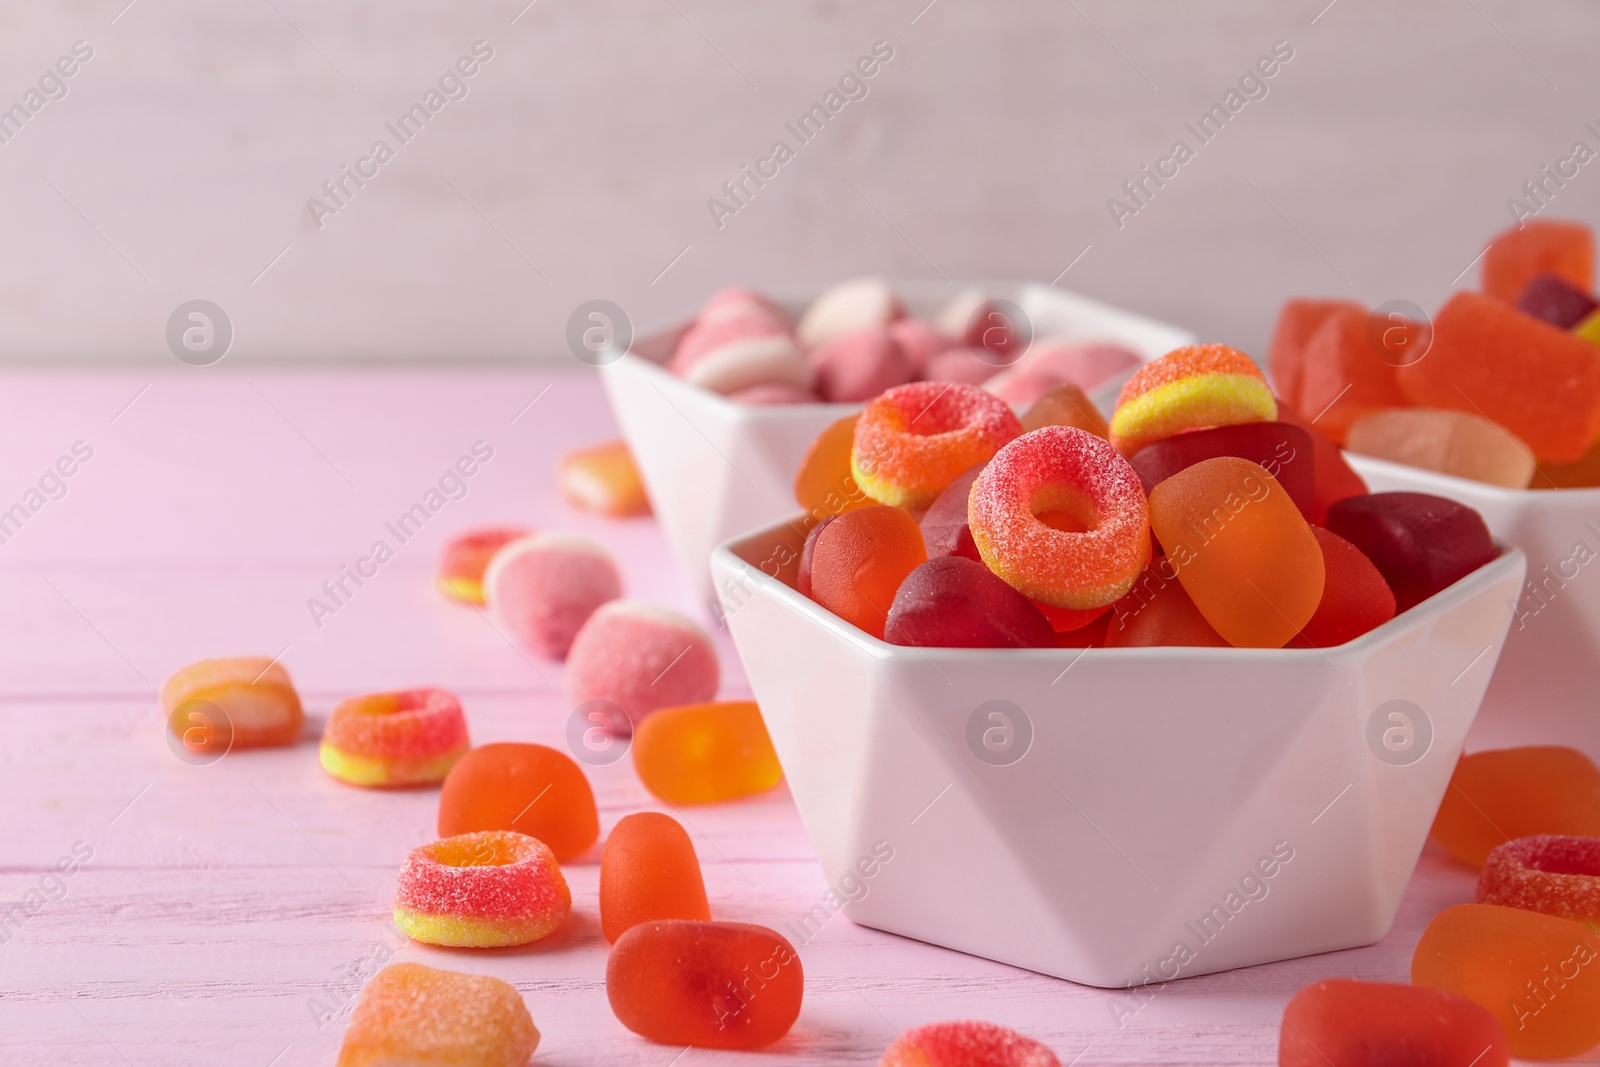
604 479
1503 794
649 871
709 984
1537 381
1537 974
1157 611
1241 549
1518 255
531 789
824 485
701 753
1342 377
1355 598
1065 405
1298 323
1581 473
418 1015
240 702
1341 1022
859 561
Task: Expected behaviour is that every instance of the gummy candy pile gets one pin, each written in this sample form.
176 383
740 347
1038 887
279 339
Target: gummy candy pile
1206 512
1472 393
855 340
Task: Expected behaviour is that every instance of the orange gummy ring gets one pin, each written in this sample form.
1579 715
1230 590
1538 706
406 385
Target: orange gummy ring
912 440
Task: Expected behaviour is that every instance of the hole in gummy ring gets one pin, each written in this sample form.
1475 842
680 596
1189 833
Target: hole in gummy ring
473 850
1064 508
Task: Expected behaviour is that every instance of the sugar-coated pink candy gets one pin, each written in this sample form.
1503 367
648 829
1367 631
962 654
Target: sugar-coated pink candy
1557 301
845 307
771 394
966 1044
858 366
1087 365
944 525
953 602
1420 543
727 355
641 657
920 341
963 365
739 302
541 589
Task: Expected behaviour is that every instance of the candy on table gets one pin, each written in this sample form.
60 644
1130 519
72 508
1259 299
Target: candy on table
823 485
467 555
489 889
1298 323
1334 478
845 307
1521 253
1343 376
1065 470
1340 1022
1550 873
730 354
738 302
1158 611
951 602
944 524
920 341
641 657
1189 389
531 789
213 705
1538 975
1491 359
857 366
1581 473
808 554
1555 300
707 984
1241 548
1355 598
1457 443
604 479
859 561
412 1014
968 366
1420 543
915 439
772 394
411 737
1065 405
1505 794
703 753
649 872
966 1044
543 588
1283 449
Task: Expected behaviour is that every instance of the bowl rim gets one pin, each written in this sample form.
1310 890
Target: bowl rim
726 558
1454 485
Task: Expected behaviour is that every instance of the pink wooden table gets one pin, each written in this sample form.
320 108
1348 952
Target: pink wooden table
225 908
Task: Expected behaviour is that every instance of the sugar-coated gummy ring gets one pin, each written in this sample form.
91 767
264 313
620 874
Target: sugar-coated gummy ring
1061 469
482 890
1189 389
912 440
411 737
1554 874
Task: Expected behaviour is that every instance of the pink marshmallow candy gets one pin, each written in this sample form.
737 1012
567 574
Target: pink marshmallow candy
920 341
846 307
543 588
641 657
858 366
964 365
731 354
771 394
738 302
1084 364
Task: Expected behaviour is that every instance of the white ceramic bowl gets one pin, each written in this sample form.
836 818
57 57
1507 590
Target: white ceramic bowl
1146 784
1546 689
715 468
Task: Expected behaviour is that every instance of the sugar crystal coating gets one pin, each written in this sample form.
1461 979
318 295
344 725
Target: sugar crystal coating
411 737
966 1044
423 1017
1188 389
1549 873
913 440
641 657
481 890
466 556
543 588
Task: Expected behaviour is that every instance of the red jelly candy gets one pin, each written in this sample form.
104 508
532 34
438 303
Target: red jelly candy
1555 875
808 553
1158 611
1521 253
1282 448
944 525
1343 377
1298 323
951 602
966 1044
1341 1022
1355 598
1334 478
1555 300
1420 543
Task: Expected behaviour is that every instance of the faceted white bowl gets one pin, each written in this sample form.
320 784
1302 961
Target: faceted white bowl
1546 689
715 468
1154 782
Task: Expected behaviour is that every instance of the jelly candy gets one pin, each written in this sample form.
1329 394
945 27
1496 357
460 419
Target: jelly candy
824 485
860 560
1282 448
213 705
1492 360
1509 793
701 753
1334 478
1556 875
411 737
543 588
1340 1022
707 984
1065 405
951 602
1343 377
1241 549
1061 469
1553 299
1355 598
418 1015
604 479
848 306
1451 442
1298 322
920 341
808 552
649 871
966 1044
1419 543
1581 473
1188 389
490 889
1521 253
641 657
913 440
1537 974
1157 611
944 524
857 366
532 789
465 557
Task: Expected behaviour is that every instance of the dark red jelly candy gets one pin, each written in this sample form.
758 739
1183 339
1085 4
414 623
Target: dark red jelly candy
1557 301
1284 449
944 524
1355 598
1420 543
951 602
1335 479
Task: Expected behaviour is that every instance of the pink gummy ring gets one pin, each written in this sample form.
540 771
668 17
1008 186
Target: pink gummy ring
1553 874
913 440
966 1044
1061 471
487 889
412 737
